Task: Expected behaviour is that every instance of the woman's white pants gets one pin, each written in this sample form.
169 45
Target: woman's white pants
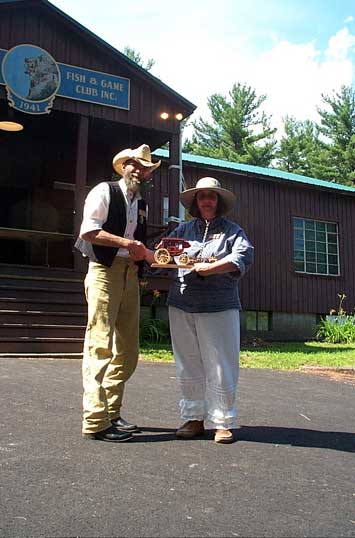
206 350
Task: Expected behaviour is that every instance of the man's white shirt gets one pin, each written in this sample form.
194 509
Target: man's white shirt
96 208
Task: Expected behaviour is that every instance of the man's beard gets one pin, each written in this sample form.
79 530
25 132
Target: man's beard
137 185
132 184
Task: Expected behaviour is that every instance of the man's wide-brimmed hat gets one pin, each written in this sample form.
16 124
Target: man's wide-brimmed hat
212 184
141 155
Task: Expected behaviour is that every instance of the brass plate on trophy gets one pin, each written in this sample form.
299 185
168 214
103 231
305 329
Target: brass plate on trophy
171 266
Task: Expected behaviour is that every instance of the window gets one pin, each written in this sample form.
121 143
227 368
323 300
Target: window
258 321
315 247
165 209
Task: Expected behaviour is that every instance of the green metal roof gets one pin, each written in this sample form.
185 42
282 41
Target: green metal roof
258 171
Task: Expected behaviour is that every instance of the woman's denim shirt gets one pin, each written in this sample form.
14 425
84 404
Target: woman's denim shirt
225 239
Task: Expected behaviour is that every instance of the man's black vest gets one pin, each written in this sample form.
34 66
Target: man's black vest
115 224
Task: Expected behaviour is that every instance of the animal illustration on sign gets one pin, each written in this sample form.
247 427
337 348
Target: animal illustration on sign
43 74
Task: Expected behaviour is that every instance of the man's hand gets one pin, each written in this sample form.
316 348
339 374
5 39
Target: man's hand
137 251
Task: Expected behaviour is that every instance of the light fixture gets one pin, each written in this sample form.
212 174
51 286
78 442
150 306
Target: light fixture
164 115
179 116
10 126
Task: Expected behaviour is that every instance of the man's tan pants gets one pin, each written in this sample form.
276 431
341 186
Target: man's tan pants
111 340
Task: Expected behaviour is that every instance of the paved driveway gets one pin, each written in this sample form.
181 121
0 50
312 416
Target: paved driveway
291 473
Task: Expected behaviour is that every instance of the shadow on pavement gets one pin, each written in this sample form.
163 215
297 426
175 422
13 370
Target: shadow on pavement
341 441
155 435
298 437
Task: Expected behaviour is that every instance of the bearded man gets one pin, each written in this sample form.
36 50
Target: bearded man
113 237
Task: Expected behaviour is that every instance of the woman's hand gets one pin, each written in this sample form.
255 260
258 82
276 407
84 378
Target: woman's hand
203 269
149 257
215 268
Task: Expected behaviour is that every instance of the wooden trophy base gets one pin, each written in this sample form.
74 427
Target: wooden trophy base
171 266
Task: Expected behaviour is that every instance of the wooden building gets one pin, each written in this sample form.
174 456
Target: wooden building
79 101
303 230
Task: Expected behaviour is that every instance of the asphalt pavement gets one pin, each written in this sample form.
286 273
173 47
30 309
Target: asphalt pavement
290 473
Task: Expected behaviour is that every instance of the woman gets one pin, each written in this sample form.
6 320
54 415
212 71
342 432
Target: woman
204 311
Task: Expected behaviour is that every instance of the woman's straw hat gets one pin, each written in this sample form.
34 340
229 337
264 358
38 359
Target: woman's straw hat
212 184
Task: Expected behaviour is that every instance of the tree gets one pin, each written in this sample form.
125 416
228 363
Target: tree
293 149
301 150
239 131
135 56
338 127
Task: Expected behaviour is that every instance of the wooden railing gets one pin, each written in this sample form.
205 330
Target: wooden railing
18 233
25 234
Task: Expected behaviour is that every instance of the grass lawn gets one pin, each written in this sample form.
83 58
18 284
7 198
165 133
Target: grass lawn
276 355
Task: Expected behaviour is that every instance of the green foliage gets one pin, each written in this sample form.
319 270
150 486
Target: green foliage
325 151
338 127
275 355
337 329
300 147
239 131
154 331
156 352
294 355
135 56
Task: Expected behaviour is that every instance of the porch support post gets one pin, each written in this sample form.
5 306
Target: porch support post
80 185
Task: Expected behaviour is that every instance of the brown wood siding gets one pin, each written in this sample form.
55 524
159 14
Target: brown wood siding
265 209
70 45
162 186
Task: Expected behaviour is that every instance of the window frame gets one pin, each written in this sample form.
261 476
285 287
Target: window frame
324 227
257 314
165 209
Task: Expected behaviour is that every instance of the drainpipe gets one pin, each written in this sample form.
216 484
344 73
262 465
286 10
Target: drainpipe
181 177
176 172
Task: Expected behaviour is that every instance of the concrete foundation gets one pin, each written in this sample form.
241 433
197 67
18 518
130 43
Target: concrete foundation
283 326
287 326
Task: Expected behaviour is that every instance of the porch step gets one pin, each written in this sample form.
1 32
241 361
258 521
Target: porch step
33 330
37 317
45 294
25 281
40 272
50 356
29 346
41 312
43 305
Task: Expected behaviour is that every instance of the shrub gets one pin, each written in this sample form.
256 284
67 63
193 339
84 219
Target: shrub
337 329
154 330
